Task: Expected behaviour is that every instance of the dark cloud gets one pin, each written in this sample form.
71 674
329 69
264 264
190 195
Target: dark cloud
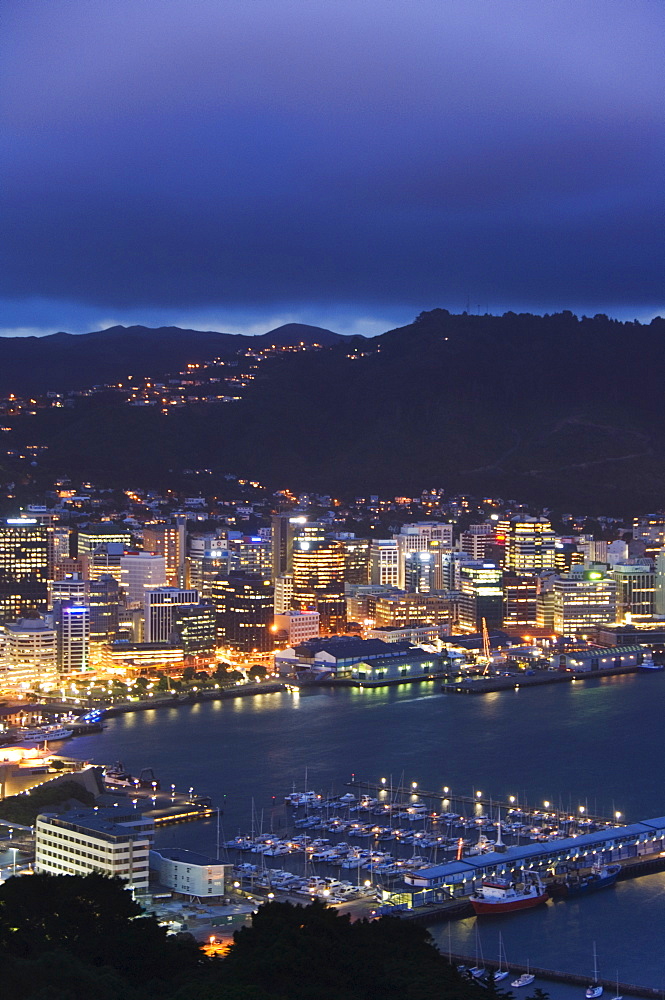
187 155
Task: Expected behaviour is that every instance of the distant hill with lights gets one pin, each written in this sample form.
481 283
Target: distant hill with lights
558 409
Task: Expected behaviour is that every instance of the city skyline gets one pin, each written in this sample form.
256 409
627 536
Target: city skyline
234 167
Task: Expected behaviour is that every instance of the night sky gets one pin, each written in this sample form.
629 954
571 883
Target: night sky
235 165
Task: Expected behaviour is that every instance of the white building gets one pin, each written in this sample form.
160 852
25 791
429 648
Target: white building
72 625
73 587
299 625
30 655
283 600
109 841
141 571
384 562
188 873
158 608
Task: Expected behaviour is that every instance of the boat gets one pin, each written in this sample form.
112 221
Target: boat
616 995
524 980
575 883
502 972
594 989
478 970
44 733
503 895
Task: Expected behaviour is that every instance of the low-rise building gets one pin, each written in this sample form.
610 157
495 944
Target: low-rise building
111 841
188 873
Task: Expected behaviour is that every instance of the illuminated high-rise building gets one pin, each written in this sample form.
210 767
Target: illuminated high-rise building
90 538
318 578
159 606
356 560
72 624
384 562
636 588
530 545
141 571
168 540
582 599
284 528
243 605
103 599
481 596
30 655
23 567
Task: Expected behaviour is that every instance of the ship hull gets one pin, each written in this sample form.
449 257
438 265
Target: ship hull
484 907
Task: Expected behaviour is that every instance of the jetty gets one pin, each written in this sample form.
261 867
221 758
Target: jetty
571 978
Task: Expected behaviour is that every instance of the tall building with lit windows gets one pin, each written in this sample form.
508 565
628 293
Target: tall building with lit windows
159 606
530 545
582 599
243 605
481 596
318 578
284 529
384 562
72 625
169 541
24 559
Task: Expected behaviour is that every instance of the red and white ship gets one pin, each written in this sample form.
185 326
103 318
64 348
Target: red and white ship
502 895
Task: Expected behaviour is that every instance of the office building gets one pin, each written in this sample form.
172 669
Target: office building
318 578
636 588
581 600
23 567
474 542
402 610
158 608
115 842
519 603
283 597
356 559
481 596
141 571
72 624
284 528
384 562
529 545
419 572
103 599
244 608
194 629
296 626
30 655
72 587
89 539
169 541
105 560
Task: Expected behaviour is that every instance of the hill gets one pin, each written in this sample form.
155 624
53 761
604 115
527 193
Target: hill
65 361
555 409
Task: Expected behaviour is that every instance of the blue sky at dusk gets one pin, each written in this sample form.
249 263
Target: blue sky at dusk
235 165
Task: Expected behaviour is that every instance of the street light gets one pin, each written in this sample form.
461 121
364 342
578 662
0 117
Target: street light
14 851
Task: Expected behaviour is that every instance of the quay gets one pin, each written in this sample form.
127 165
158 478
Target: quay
570 978
517 681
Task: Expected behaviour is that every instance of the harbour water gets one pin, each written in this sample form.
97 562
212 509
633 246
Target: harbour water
597 744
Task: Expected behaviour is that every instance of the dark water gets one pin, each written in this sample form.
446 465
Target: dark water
599 744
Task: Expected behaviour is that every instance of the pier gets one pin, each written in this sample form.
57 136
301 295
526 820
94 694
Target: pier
485 685
570 978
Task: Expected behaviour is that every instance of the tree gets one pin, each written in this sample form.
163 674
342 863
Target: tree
188 674
257 671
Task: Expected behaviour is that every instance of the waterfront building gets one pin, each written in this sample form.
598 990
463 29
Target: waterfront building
318 578
401 610
519 602
141 571
582 599
23 567
589 659
194 629
529 545
188 873
297 625
141 655
413 634
30 655
91 538
72 624
169 541
243 605
481 596
384 562
635 588
115 842
158 609
361 659
283 598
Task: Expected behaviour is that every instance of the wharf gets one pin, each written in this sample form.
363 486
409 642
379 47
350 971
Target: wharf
571 978
517 681
403 795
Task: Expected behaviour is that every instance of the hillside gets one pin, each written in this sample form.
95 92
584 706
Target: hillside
560 410
64 361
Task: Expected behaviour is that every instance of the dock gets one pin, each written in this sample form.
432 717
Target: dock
517 681
570 978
